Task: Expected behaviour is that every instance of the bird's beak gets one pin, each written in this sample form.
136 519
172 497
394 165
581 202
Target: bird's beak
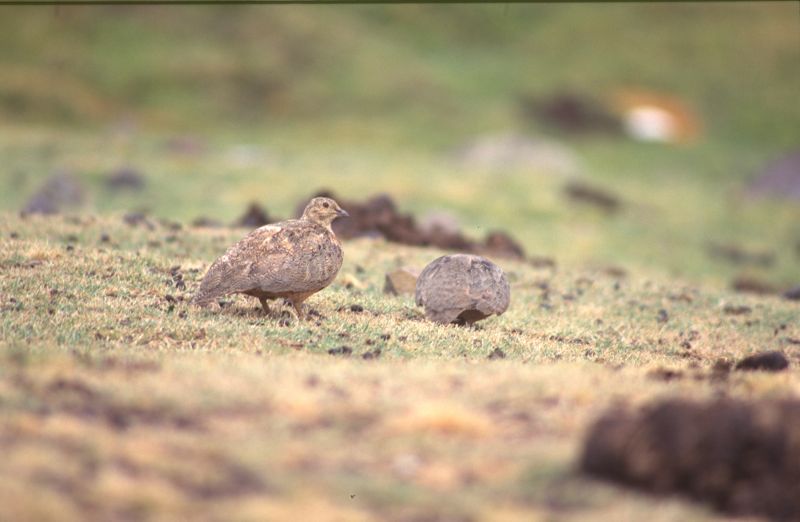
342 213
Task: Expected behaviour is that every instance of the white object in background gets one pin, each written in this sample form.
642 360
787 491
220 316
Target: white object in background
651 123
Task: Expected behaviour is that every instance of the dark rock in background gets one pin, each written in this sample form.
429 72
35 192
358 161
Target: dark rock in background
60 191
126 178
780 178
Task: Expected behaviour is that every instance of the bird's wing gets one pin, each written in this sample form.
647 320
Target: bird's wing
231 272
278 258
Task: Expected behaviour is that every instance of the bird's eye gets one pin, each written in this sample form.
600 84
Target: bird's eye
326 204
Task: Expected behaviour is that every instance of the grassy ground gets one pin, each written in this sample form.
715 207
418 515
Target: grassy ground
120 403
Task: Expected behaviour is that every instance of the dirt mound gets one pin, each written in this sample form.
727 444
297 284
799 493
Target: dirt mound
743 458
378 217
772 361
571 113
255 216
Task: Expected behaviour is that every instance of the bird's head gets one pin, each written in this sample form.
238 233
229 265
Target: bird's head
323 211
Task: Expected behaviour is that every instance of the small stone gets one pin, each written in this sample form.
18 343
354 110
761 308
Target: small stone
401 281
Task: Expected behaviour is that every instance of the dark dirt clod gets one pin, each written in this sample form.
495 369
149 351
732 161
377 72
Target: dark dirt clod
372 354
743 458
356 308
378 216
662 316
772 361
14 235
736 309
793 293
135 219
665 374
580 192
738 255
542 262
255 216
125 178
386 337
501 244
752 285
341 350
105 238
206 222
572 113
497 353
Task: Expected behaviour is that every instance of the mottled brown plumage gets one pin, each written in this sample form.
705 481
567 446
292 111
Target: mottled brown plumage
292 259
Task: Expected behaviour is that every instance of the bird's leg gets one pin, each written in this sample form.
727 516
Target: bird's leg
298 308
264 305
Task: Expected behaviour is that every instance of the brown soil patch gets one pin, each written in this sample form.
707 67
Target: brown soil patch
743 458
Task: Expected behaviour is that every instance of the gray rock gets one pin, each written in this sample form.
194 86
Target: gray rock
59 191
462 288
793 293
781 178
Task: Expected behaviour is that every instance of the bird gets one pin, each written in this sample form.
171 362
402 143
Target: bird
293 259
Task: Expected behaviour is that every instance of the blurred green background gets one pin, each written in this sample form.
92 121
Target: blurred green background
485 112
